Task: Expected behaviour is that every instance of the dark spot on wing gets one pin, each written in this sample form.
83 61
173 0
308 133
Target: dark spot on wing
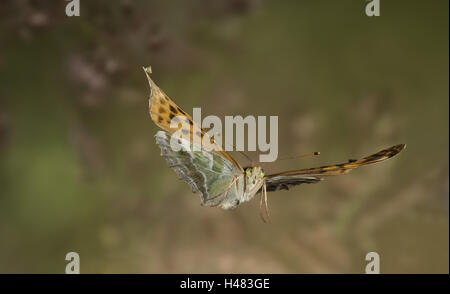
375 157
180 110
173 109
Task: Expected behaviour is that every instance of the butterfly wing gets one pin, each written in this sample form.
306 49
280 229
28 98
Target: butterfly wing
208 173
162 110
285 180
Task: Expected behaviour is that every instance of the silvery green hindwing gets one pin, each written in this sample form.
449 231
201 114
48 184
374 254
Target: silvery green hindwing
218 181
192 284
217 176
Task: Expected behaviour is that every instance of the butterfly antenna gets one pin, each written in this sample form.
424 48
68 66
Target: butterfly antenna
246 156
241 152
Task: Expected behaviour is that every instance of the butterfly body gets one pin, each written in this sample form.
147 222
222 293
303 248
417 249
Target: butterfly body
215 175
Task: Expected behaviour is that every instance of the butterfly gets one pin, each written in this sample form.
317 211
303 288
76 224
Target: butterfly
215 175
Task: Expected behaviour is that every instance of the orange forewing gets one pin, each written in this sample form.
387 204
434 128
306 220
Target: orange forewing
162 110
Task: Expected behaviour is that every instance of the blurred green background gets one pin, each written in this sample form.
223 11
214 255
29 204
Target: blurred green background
80 171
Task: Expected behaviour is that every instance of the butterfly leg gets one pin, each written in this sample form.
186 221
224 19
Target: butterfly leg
265 200
260 207
226 190
222 199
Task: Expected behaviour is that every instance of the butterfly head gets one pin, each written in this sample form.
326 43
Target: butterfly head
254 178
